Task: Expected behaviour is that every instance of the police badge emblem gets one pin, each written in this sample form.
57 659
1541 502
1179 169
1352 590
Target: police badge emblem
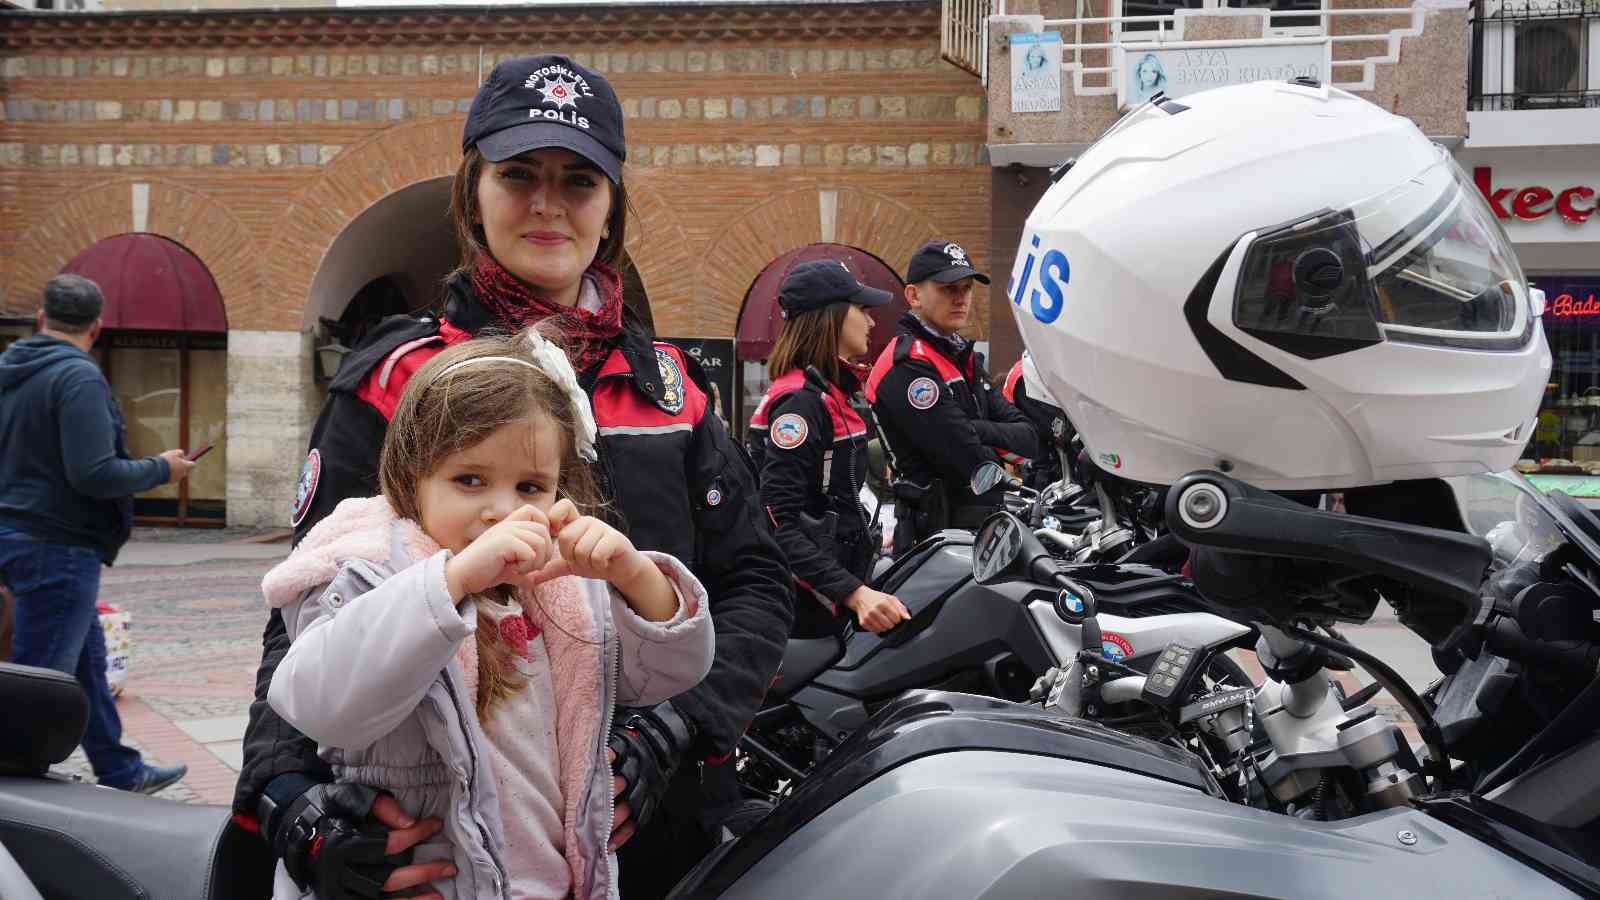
671 382
305 490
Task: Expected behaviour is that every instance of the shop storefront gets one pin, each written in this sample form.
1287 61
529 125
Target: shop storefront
1547 202
164 351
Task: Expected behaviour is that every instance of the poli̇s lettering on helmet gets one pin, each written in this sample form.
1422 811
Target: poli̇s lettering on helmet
1286 283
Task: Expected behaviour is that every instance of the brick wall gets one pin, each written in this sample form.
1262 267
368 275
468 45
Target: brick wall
256 159
256 138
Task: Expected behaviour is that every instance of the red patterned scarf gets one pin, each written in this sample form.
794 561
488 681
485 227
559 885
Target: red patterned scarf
586 335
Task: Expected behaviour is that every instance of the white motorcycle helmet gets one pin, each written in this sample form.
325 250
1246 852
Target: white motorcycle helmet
1285 283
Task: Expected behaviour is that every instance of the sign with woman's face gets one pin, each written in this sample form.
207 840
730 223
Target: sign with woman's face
1036 72
1178 69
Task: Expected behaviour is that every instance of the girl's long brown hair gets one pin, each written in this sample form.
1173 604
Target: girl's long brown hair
810 339
466 218
440 415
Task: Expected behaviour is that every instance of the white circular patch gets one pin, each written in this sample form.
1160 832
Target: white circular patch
789 431
922 393
306 488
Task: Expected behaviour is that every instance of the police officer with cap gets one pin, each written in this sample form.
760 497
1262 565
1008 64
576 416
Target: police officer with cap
810 445
940 416
539 208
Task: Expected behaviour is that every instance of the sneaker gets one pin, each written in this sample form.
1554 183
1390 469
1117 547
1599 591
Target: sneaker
154 778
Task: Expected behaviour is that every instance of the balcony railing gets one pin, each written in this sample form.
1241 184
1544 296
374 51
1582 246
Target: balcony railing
963 39
1090 40
1534 54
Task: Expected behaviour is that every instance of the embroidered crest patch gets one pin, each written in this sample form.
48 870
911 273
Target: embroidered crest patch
671 382
789 431
922 393
306 488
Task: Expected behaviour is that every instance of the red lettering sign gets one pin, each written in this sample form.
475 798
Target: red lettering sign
1531 203
1566 306
1570 212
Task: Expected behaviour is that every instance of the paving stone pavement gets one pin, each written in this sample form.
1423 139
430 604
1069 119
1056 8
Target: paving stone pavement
197 616
196 628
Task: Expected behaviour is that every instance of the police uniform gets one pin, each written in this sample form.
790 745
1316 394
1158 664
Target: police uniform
1055 430
810 446
676 480
940 416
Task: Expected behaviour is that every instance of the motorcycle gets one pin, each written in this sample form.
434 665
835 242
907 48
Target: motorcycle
956 796
61 838
995 640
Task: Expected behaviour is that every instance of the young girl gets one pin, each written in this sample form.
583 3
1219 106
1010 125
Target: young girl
455 641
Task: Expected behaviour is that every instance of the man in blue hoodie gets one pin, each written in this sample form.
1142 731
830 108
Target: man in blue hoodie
66 506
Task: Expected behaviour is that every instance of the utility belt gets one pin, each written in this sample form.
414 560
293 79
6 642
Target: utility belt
921 511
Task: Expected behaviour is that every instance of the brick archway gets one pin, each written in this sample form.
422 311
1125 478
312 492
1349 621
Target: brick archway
873 222
197 222
406 155
363 174
659 248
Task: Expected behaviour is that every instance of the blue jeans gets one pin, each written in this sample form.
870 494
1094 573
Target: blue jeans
57 627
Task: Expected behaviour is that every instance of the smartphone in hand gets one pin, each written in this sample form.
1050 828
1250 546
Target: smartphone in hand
196 454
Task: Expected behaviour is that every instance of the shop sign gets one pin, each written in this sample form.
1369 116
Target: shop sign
1566 305
1570 299
1178 69
1574 203
1036 72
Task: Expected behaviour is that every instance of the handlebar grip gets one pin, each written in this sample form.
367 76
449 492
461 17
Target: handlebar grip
1576 658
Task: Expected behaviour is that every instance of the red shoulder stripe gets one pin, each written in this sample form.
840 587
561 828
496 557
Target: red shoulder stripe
384 384
947 370
1012 377
786 384
880 368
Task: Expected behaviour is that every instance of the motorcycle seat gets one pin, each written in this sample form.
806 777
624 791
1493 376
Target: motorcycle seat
81 840
803 660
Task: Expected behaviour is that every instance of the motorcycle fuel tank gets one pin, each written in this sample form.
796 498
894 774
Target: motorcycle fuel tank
959 797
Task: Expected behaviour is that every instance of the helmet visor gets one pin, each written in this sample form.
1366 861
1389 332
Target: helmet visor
1449 273
1424 262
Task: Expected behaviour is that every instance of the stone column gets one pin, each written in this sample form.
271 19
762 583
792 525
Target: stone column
272 402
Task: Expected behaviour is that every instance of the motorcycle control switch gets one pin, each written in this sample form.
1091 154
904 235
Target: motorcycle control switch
1169 679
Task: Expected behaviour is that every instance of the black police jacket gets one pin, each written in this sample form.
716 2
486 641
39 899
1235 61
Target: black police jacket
941 418
810 446
680 483
1055 429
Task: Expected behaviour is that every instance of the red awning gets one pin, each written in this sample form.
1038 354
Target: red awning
759 318
151 284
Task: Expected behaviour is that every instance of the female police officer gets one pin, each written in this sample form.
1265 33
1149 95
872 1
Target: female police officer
811 448
539 208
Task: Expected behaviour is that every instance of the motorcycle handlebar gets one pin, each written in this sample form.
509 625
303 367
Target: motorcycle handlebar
1577 658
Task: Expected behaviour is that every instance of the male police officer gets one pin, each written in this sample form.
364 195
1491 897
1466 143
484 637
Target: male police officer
939 415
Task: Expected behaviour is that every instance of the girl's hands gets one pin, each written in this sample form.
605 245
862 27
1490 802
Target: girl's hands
589 548
511 551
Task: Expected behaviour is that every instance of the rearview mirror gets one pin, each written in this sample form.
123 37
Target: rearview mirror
985 477
997 549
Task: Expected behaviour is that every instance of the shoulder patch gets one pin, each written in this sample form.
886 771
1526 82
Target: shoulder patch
671 382
922 393
789 431
306 488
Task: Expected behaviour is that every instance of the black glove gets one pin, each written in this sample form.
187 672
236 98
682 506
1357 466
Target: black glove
649 744
329 843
